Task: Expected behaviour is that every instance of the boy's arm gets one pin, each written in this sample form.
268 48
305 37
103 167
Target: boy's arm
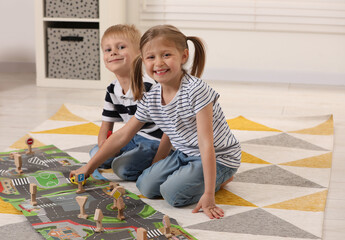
111 146
163 149
103 131
204 120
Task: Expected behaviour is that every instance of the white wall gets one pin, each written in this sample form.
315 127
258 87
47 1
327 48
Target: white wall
17 41
274 56
232 55
267 56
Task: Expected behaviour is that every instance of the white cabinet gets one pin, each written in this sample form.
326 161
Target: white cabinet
68 26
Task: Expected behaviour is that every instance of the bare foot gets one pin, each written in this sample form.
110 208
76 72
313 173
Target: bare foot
226 182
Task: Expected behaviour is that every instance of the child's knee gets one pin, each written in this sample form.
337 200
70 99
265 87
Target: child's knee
146 188
177 196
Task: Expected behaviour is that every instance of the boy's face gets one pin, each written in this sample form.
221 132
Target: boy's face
118 54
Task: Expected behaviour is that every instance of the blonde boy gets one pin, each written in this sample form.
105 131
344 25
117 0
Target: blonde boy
120 46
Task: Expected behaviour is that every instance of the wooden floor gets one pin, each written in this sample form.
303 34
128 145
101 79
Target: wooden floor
23 106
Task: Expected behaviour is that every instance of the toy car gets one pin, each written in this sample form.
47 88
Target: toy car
72 179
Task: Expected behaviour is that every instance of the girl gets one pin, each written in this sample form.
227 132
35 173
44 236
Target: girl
207 154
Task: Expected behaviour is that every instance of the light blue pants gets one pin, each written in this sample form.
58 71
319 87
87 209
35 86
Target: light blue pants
179 179
136 156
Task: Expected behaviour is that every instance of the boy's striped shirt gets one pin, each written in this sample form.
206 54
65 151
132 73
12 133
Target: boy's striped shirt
119 107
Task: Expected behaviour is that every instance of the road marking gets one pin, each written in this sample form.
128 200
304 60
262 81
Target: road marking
20 181
37 161
47 205
51 160
154 233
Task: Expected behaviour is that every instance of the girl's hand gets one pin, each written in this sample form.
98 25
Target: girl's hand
208 205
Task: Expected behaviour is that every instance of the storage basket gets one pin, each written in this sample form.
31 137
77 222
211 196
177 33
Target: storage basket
73 53
71 8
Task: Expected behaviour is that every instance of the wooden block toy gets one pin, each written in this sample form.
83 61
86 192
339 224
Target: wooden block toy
29 142
12 154
33 191
120 189
73 180
81 200
18 162
141 234
116 193
113 185
98 218
80 179
167 226
118 203
120 207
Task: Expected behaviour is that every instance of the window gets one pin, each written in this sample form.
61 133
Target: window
322 16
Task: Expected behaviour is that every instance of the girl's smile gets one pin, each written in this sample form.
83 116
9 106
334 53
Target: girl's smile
163 61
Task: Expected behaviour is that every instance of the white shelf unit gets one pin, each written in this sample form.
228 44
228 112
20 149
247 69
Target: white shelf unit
111 12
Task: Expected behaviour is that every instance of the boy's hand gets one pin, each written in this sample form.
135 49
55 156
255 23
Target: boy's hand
207 204
83 169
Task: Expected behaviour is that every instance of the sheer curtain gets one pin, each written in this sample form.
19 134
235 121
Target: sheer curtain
320 16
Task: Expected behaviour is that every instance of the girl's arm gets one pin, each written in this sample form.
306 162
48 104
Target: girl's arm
163 149
103 131
204 121
111 146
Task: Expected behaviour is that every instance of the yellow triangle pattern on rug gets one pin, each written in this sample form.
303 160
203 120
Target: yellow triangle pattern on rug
82 129
249 158
242 123
21 143
228 198
7 208
314 202
63 114
321 161
325 128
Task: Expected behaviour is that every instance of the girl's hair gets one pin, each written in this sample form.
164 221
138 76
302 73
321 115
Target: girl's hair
129 32
169 33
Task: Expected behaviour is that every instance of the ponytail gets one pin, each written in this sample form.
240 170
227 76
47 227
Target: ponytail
137 84
199 56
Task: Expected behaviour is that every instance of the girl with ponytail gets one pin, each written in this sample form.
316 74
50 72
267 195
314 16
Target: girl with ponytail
186 109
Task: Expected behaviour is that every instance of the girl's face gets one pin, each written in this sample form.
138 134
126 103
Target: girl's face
118 54
163 61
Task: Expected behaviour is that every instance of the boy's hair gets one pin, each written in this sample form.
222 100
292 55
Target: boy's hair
170 33
129 32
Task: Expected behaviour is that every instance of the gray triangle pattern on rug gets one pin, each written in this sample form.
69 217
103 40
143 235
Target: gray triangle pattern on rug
285 140
256 222
84 149
274 175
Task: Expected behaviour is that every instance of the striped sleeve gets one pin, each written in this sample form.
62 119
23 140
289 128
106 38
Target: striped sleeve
200 95
110 113
142 113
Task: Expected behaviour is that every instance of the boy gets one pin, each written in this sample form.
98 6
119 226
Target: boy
120 46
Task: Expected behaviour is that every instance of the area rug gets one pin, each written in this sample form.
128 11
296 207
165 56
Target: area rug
279 191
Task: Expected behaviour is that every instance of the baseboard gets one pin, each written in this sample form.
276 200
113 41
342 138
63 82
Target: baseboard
20 67
274 76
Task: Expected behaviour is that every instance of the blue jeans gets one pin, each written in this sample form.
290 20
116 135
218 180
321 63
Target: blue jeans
133 158
179 179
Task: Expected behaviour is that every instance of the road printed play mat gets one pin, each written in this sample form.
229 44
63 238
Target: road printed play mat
279 191
59 211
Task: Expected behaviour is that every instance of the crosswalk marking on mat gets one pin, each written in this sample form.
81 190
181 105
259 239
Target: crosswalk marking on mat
37 161
154 233
20 181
